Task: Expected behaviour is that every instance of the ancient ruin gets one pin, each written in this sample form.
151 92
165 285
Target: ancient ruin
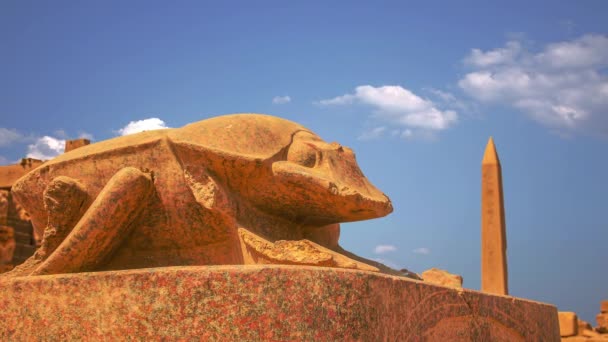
17 239
442 277
227 229
494 278
573 329
76 143
240 189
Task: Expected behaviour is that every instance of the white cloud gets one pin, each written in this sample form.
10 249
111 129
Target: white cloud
9 136
281 99
373 133
422 251
339 100
497 56
400 106
563 86
46 148
584 52
142 125
381 249
450 100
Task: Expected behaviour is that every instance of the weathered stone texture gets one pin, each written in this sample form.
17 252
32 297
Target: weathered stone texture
75 143
254 303
568 323
441 277
585 332
604 306
7 247
13 215
602 320
583 325
235 189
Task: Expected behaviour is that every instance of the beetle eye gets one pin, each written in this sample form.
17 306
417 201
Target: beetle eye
302 154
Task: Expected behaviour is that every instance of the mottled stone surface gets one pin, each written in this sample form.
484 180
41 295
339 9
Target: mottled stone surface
7 246
76 143
602 320
568 323
181 196
442 277
9 174
16 240
261 303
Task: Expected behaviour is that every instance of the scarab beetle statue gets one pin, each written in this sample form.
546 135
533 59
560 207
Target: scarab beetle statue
235 189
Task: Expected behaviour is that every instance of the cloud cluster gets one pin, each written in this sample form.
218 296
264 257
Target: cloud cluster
46 148
563 86
382 249
397 105
422 251
9 136
142 125
281 99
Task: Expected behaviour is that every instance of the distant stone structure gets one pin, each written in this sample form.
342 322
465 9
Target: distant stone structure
442 277
75 143
602 318
573 329
17 238
494 277
7 248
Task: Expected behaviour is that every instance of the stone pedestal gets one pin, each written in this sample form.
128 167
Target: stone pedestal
261 303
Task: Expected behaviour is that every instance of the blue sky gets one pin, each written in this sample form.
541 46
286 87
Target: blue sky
414 89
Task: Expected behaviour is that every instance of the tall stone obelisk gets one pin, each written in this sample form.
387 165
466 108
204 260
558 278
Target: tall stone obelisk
493 235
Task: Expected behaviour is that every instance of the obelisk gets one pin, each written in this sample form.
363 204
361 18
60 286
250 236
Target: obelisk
493 235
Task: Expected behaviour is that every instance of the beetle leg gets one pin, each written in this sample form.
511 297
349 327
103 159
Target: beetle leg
103 226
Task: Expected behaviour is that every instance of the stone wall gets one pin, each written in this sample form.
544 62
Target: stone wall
17 240
76 143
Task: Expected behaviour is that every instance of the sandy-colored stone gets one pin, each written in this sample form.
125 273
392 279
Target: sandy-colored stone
4 194
589 333
11 213
7 246
575 339
75 143
441 277
604 306
301 252
602 320
583 325
568 323
261 303
9 174
181 196
494 276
